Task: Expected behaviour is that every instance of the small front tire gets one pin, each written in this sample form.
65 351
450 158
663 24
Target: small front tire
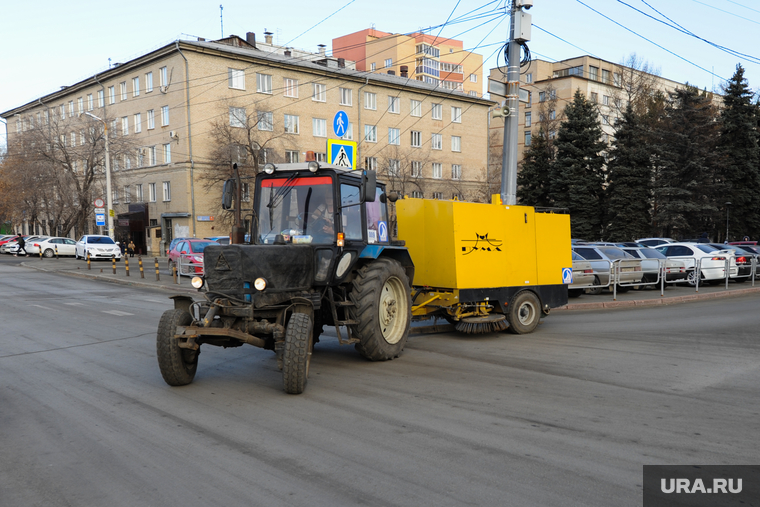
297 355
524 313
177 365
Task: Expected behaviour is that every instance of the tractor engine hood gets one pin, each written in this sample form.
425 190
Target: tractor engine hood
232 269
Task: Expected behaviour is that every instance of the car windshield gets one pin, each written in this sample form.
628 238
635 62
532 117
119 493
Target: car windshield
299 208
651 253
103 240
199 246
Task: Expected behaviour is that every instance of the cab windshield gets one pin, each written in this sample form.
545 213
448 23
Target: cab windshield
300 208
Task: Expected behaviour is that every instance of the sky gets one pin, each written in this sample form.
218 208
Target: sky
49 43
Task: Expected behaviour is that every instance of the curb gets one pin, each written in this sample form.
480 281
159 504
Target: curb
660 301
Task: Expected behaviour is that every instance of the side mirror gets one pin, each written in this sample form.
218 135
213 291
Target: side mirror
369 185
228 191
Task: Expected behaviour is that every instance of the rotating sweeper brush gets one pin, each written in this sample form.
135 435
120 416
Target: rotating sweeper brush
491 323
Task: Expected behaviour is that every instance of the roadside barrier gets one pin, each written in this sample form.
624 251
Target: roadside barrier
139 261
156 262
126 264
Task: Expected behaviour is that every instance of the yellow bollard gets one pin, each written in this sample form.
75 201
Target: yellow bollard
139 261
174 272
126 264
56 252
40 253
113 263
88 260
157 277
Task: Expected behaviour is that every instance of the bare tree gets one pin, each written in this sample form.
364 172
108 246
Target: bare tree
637 82
403 169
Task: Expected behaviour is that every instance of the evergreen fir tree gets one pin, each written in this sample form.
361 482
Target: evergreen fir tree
689 191
629 174
578 172
534 178
739 156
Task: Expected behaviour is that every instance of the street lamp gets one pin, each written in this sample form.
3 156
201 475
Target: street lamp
109 197
727 205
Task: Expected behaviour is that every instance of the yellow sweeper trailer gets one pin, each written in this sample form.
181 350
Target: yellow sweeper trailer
486 267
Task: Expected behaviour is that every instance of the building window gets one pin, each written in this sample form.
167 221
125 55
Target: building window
265 120
372 67
349 135
319 93
437 195
416 108
236 78
291 87
529 77
263 83
162 77
127 195
437 142
437 111
152 192
394 136
138 123
152 156
71 108
148 82
291 157
593 73
135 86
605 100
370 163
456 114
370 101
168 153
416 169
90 103
319 127
456 172
238 118
393 105
370 133
123 90
605 119
125 126
594 97
115 196
473 78
456 143
141 157
416 139
437 170
617 79
63 111
388 63
528 119
527 138
606 76
346 97
167 191
291 124
165 116
245 191
393 167
80 105
138 192
112 95
151 119
552 114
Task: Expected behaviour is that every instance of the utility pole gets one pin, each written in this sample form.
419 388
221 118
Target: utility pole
519 32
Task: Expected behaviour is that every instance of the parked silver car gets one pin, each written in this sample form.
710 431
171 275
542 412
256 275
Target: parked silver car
604 259
650 265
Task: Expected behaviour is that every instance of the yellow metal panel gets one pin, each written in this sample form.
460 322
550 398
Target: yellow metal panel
553 247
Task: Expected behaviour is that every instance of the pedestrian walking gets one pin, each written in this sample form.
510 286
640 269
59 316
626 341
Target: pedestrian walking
131 248
21 244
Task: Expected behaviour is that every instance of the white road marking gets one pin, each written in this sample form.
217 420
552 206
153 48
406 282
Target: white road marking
117 313
43 307
74 304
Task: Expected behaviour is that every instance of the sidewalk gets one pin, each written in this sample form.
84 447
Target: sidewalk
103 270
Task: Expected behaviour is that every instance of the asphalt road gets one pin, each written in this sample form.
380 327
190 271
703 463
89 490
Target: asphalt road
565 416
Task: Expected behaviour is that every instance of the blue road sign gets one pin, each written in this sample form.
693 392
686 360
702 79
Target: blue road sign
340 123
100 220
341 153
567 276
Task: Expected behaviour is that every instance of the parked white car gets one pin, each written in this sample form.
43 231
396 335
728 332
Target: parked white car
99 247
713 260
11 247
48 247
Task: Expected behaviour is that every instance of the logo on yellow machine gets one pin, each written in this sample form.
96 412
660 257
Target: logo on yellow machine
481 243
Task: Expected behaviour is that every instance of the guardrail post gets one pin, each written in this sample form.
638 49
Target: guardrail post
156 261
662 276
615 278
754 267
139 261
126 264
697 273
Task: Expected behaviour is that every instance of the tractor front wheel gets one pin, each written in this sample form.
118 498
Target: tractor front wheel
297 355
382 311
177 365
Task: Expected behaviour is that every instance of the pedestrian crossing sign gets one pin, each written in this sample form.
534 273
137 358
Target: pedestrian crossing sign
341 153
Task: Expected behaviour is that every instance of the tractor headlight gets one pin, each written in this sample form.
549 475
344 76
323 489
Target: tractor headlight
269 168
197 282
313 166
260 284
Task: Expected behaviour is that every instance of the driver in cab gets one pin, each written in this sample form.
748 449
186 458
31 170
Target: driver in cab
323 221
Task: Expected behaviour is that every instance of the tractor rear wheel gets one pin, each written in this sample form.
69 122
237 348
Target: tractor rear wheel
382 310
297 355
177 365
524 313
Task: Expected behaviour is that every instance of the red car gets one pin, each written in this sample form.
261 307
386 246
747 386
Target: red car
187 255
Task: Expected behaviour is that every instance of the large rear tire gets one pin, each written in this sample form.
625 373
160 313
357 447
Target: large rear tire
383 303
297 355
524 313
177 365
